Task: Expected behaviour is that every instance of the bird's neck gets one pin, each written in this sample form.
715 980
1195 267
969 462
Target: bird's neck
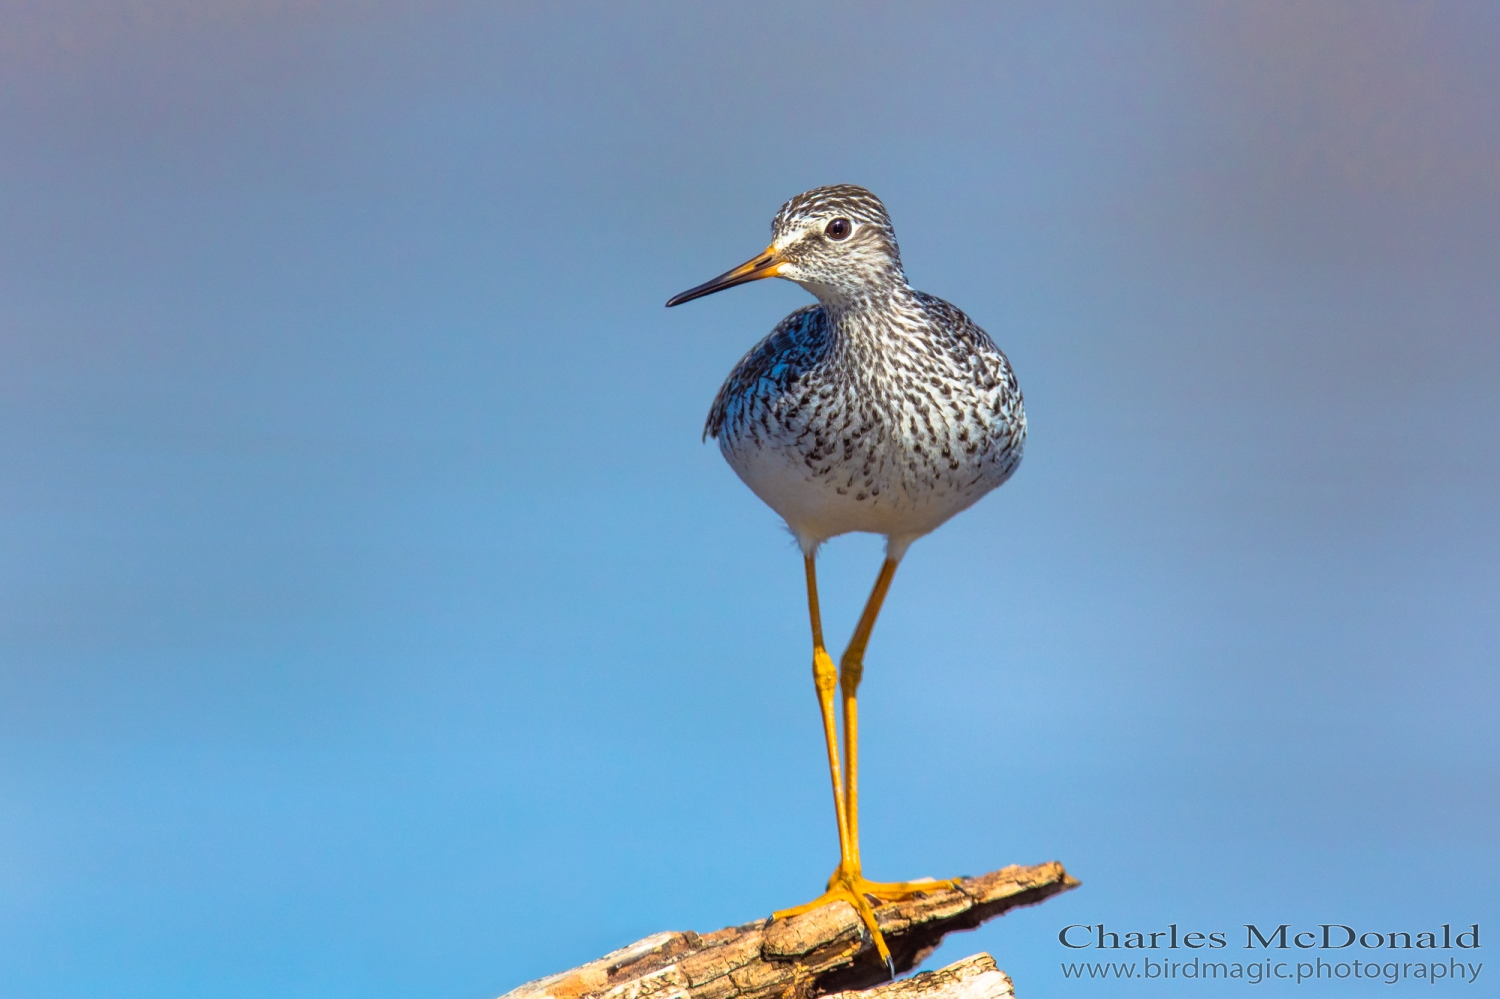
865 305
869 311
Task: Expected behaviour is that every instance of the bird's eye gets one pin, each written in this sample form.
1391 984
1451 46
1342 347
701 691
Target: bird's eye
838 229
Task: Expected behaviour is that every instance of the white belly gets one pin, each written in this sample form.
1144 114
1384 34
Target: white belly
879 495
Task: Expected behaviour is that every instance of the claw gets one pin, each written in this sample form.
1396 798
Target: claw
848 885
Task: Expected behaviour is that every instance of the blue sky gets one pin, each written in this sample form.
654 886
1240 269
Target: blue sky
374 622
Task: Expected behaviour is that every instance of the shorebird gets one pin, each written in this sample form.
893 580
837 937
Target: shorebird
879 409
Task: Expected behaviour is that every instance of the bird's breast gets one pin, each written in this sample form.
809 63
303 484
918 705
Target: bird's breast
888 423
893 458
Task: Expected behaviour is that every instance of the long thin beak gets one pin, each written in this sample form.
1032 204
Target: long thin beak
767 264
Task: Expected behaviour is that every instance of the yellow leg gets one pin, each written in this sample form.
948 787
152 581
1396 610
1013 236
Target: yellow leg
848 884
825 679
851 671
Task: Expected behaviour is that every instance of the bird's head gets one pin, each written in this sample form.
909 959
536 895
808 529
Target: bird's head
836 241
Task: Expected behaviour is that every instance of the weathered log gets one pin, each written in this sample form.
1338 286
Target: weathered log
821 952
972 978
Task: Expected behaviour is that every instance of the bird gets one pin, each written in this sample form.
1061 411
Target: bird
878 409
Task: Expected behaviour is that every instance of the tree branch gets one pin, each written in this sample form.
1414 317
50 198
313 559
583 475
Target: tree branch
820 952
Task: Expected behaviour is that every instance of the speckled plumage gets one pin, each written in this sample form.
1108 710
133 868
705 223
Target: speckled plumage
880 408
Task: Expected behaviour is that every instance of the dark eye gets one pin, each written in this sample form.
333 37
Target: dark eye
838 229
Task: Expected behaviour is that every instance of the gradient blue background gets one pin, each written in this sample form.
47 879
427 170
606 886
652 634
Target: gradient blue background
373 622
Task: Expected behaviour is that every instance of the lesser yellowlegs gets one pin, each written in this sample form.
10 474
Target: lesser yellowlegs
879 409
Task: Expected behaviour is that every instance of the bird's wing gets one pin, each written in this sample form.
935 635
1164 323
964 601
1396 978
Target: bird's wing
772 366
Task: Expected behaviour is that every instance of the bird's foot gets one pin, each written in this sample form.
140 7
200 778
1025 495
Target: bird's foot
849 885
